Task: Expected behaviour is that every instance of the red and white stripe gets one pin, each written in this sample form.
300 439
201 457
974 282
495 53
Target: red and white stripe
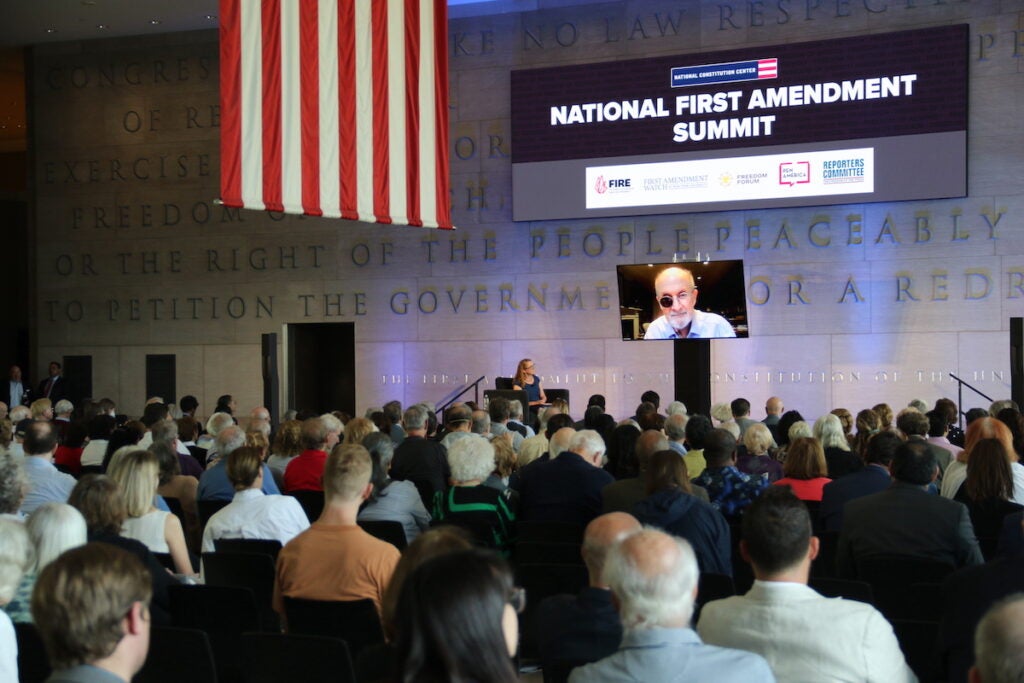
336 108
768 68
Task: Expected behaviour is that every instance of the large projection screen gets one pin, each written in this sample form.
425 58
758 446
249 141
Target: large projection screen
872 118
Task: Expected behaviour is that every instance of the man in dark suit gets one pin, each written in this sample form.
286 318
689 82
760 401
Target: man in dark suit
915 425
54 387
874 478
906 520
585 627
568 487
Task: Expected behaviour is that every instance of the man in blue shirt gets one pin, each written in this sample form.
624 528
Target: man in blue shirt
676 294
214 484
47 484
653 577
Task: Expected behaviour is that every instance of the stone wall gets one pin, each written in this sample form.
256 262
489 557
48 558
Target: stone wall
849 305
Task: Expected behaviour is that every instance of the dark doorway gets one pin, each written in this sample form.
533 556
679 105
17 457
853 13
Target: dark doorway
78 374
161 371
322 367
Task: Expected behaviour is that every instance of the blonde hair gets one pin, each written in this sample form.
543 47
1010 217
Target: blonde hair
39 407
758 439
138 474
357 429
347 472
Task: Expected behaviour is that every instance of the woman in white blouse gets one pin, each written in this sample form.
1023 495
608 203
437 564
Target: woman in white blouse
137 473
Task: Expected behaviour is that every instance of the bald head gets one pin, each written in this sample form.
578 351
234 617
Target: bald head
654 578
649 443
674 273
560 441
773 406
999 644
601 534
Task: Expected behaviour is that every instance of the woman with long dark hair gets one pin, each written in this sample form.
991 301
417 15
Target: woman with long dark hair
456 621
988 490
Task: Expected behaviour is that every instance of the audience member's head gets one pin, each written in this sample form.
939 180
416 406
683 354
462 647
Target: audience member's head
560 441
652 397
167 461
829 431
666 469
41 409
1004 404
229 439
675 427
600 535
415 419
758 439
101 427
987 428
881 448
999 643
938 425
456 621
471 460
505 461
16 556
188 405
912 422
589 445
153 413
40 439
556 422
288 440
914 464
777 532
650 442
975 414
918 405
428 545
91 606
653 577
244 468
719 448
884 413
989 476
867 421
676 408
774 406
845 419
788 419
137 473
357 429
55 528
697 429
740 407
805 459
347 475
99 499
499 409
13 484
458 417
334 429
721 412
217 422
799 430
313 434
481 423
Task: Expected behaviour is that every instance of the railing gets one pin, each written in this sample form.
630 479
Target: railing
960 396
457 394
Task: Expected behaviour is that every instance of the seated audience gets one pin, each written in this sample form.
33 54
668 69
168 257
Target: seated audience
91 606
915 425
456 620
873 478
653 578
500 411
188 433
252 513
867 427
568 487
805 469
939 430
670 506
622 458
68 456
846 422
357 429
729 490
287 445
697 429
46 484
468 503
128 434
884 413
784 620
422 461
930 527
13 487
392 501
978 429
101 503
138 474
622 495
15 559
988 490
305 472
214 484
52 528
757 461
505 465
334 559
585 627
838 457
999 644
535 447
174 484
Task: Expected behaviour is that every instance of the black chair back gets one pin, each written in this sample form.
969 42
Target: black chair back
824 566
165 560
223 613
919 642
426 491
175 507
273 657
558 672
556 394
841 588
258 546
354 621
549 532
312 503
254 571
178 654
892 578
207 508
542 581
505 384
33 662
390 531
533 552
90 469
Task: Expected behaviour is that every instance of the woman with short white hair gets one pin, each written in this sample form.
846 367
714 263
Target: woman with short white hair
53 528
15 557
484 510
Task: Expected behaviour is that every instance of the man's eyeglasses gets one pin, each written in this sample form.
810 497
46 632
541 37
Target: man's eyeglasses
667 300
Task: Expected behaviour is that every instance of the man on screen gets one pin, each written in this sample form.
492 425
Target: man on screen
676 294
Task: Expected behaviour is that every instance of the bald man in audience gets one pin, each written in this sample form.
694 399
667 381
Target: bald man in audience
585 627
653 578
999 644
773 409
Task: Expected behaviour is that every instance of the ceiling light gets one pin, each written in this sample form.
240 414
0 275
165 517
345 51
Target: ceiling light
101 26
155 22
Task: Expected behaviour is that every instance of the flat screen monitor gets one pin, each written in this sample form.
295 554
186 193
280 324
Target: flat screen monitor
703 300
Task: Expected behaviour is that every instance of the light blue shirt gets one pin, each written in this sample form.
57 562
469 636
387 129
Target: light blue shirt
46 484
702 326
671 655
214 484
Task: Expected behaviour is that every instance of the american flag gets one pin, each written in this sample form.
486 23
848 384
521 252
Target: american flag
768 68
336 108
